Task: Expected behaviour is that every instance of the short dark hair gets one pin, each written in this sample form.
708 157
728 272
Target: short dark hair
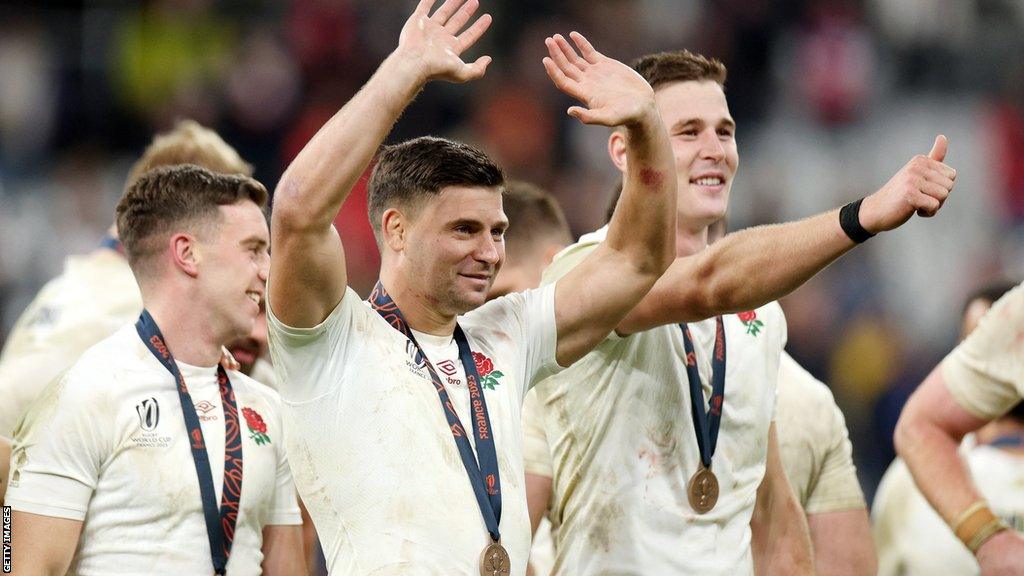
679 66
408 172
171 196
533 215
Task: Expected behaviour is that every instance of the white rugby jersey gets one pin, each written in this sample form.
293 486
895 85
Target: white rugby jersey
911 537
107 444
622 445
94 296
814 443
372 453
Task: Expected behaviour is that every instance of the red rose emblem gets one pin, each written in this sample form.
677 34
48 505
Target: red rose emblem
254 420
484 366
747 316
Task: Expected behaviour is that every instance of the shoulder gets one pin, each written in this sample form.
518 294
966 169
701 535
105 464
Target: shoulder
255 389
350 313
796 382
106 360
517 305
806 406
572 255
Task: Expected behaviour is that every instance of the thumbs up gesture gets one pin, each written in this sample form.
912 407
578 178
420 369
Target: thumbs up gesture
920 187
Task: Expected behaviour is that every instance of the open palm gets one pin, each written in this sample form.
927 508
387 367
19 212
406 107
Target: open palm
434 43
612 92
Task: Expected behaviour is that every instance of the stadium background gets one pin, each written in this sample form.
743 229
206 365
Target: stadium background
831 97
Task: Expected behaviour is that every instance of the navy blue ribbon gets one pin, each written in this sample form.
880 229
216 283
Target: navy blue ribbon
706 424
1008 441
112 243
220 524
483 476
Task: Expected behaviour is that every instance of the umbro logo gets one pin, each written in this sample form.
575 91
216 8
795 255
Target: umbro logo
204 406
447 367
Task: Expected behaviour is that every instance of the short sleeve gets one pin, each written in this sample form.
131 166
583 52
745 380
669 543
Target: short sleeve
310 361
836 487
985 373
566 261
536 451
60 448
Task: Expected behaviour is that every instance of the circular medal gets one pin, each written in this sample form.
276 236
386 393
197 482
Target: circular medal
494 561
702 490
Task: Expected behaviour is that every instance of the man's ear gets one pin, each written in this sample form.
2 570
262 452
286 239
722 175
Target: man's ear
617 149
395 229
186 253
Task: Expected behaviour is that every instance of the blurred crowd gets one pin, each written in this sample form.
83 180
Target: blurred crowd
831 96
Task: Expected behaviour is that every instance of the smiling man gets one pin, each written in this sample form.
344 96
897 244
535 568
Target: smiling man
404 411
137 457
660 453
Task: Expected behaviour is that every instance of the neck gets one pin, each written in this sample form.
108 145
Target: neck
191 338
419 308
691 237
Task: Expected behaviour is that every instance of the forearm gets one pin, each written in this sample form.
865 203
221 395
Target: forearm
780 540
283 551
780 537
928 437
643 226
316 183
842 543
780 257
742 271
932 456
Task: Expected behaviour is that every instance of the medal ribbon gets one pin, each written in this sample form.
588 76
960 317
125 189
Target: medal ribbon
484 476
112 243
220 526
1008 441
706 424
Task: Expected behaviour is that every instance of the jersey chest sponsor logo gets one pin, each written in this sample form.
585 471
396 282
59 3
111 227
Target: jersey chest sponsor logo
148 436
448 368
203 409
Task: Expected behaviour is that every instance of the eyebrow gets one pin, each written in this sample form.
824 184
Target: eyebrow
724 122
503 224
255 241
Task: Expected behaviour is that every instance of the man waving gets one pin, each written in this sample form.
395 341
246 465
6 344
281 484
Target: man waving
404 411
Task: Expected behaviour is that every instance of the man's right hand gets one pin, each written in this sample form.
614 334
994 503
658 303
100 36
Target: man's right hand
921 187
1002 554
433 45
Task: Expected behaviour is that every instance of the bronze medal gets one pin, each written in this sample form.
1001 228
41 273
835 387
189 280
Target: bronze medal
702 490
494 561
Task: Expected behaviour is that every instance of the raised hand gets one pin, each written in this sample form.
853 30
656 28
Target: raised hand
432 42
613 94
921 187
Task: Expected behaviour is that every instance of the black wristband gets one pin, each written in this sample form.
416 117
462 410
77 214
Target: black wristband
849 219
